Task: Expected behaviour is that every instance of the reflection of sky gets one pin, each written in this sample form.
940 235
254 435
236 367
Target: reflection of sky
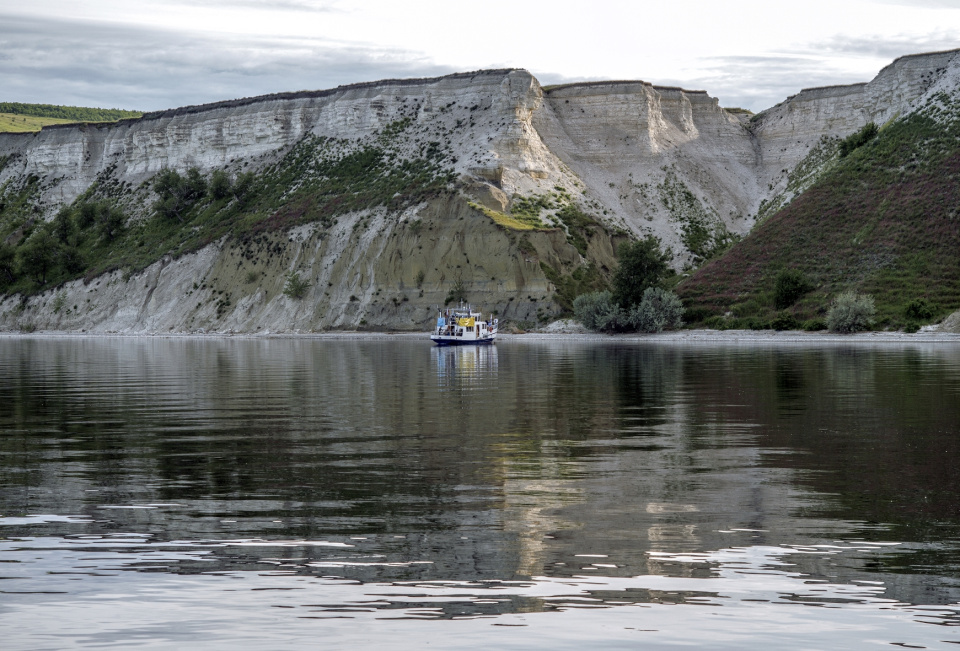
746 597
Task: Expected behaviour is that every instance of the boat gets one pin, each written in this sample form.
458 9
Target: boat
462 325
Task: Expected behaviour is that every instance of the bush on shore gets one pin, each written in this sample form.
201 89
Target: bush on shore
657 311
851 312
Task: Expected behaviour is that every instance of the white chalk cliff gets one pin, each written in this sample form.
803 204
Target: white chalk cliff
640 158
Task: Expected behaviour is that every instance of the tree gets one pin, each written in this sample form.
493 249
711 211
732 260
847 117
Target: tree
242 188
87 214
8 267
220 185
176 194
789 286
38 255
63 225
70 258
110 221
296 287
643 264
858 139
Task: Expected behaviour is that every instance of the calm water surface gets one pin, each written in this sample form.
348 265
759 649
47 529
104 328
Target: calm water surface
230 493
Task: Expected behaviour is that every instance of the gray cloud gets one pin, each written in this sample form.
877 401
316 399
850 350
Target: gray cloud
106 64
887 47
101 64
751 82
759 82
266 5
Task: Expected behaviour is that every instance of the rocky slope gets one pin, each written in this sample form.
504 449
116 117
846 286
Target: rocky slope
389 196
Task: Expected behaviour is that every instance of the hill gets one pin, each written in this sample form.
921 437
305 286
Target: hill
366 206
882 220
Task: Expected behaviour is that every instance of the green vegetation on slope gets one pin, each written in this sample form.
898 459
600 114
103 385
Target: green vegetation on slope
317 180
884 221
67 113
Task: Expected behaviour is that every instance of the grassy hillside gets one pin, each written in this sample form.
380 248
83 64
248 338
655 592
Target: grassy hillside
884 220
19 123
15 116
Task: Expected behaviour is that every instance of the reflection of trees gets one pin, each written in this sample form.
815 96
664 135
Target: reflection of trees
651 445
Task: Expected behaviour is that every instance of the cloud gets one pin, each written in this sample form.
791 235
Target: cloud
925 4
886 48
266 5
102 64
759 82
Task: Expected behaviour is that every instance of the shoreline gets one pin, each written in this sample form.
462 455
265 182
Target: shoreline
671 337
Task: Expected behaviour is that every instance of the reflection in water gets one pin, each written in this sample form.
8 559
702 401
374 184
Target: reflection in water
276 486
460 365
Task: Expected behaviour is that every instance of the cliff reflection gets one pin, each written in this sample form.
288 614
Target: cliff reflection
490 462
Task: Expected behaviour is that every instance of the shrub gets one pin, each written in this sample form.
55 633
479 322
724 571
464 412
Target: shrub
220 185
613 319
913 326
851 312
659 310
110 221
38 255
814 325
785 321
858 139
790 285
177 194
457 293
63 225
716 322
242 187
295 287
588 307
643 264
70 258
7 263
87 214
918 310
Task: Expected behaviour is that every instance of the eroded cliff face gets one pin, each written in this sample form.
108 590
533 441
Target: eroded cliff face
656 160
635 157
371 270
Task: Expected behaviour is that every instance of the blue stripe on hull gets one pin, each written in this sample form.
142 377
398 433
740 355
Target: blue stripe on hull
462 342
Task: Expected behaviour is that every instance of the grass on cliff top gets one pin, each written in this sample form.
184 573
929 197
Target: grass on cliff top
12 123
884 221
67 113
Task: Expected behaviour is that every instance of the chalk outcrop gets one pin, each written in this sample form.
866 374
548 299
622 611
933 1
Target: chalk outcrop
640 158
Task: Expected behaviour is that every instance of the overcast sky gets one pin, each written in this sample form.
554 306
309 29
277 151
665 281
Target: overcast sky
155 54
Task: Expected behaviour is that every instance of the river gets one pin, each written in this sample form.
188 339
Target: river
303 493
